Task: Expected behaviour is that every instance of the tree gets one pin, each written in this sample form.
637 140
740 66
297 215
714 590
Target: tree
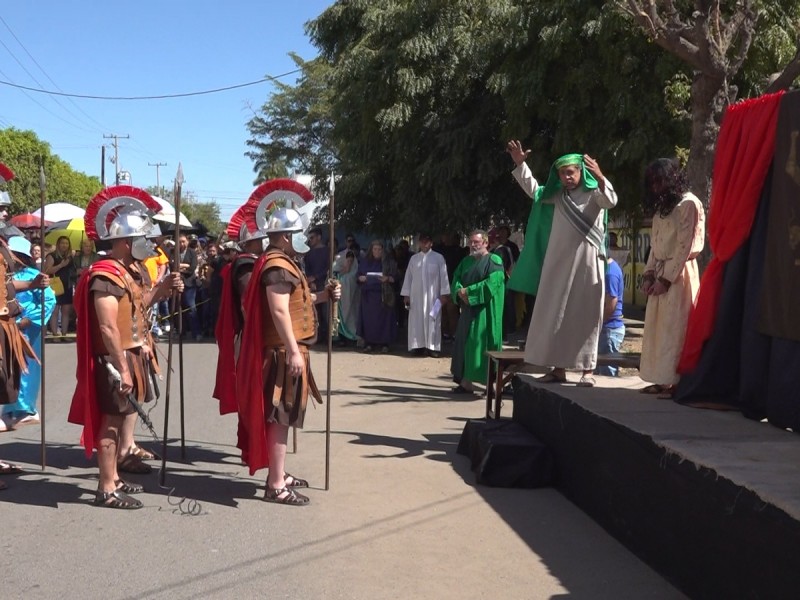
291 132
205 216
23 152
427 95
714 40
417 100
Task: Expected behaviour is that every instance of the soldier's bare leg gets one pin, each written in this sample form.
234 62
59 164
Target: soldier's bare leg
277 437
110 426
277 490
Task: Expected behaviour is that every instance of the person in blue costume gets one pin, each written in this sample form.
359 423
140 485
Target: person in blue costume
23 411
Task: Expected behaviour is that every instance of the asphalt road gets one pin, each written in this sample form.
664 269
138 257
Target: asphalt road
402 519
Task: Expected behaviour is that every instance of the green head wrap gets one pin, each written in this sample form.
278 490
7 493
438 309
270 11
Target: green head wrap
553 184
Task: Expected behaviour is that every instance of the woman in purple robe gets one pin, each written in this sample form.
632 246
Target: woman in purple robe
377 324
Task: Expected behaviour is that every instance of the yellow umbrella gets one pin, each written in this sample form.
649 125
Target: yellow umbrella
73 229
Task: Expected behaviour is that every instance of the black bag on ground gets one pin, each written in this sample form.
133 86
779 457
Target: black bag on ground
505 454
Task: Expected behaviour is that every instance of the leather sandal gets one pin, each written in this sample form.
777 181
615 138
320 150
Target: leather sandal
128 487
9 469
140 452
667 392
295 482
460 389
133 464
116 499
291 498
652 389
551 377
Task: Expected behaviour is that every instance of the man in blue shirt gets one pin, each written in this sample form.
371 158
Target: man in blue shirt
612 333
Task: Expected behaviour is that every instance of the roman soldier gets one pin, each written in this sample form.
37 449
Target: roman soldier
116 360
235 277
274 377
15 350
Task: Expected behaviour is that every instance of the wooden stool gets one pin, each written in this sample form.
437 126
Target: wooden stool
502 366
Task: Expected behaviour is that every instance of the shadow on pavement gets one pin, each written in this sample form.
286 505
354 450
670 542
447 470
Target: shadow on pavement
435 446
42 491
209 487
400 391
34 487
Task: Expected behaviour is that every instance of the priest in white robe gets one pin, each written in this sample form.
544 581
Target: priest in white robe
425 288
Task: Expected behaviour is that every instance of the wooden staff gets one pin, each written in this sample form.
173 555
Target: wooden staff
178 187
175 302
42 200
333 324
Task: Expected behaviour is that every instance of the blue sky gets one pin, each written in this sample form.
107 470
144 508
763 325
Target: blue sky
143 48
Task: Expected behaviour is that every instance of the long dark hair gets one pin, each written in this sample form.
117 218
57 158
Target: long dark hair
664 186
57 253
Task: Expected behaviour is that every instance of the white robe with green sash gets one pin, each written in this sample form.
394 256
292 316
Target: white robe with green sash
568 312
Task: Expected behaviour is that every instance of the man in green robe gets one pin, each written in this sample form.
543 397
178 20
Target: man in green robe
478 288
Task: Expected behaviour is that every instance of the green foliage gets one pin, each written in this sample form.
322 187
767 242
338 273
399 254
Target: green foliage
205 216
291 132
23 152
773 46
411 104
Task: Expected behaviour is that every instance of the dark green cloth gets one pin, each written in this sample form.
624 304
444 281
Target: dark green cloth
480 326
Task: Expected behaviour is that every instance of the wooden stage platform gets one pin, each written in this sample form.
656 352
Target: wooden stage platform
709 499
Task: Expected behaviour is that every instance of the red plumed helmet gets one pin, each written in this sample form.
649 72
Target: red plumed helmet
120 211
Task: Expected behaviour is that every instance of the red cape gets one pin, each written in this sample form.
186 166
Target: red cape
745 147
249 381
229 323
85 408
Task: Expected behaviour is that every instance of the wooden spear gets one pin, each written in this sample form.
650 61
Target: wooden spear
42 201
333 324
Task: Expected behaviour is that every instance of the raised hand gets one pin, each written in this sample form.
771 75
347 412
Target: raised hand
593 167
514 148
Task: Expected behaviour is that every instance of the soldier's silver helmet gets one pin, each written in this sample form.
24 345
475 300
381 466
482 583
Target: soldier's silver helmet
285 220
126 225
120 212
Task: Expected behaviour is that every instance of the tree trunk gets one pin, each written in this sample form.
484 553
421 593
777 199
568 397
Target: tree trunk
709 98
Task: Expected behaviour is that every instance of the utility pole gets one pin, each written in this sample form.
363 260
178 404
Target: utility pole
103 165
158 180
116 139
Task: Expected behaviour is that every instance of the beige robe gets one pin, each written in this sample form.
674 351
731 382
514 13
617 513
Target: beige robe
675 242
568 312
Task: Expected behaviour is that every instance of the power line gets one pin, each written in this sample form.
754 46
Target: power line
87 115
24 68
43 107
155 97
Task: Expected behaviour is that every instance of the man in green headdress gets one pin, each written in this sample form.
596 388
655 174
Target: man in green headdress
568 279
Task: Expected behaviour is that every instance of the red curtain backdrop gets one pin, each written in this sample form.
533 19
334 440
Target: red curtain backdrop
744 153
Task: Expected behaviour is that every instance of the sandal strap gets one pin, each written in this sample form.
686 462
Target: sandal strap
128 487
292 498
115 499
296 481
